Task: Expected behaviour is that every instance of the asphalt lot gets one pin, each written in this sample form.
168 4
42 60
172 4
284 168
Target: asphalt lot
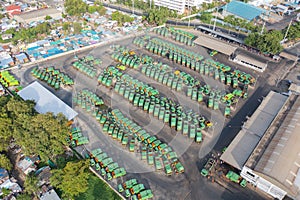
295 50
190 185
282 23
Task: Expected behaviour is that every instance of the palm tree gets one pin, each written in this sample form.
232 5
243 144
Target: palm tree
30 184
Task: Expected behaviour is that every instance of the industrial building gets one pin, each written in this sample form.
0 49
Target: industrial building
235 53
251 62
267 150
215 44
242 10
180 5
38 15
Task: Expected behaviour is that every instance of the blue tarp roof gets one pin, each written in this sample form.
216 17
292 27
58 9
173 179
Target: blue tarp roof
78 36
33 48
243 10
41 42
23 6
55 49
3 173
6 61
36 54
21 56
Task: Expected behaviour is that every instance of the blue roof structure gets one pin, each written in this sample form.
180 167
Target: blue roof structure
3 173
4 63
21 57
243 10
33 48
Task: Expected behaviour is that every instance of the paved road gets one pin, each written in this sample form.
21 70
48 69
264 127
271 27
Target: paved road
123 9
218 29
234 126
295 50
190 185
282 23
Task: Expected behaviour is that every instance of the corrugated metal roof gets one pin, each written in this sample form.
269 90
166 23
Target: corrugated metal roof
281 160
50 195
252 61
245 142
215 45
39 13
21 56
243 10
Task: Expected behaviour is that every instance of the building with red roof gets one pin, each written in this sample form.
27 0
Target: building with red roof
12 10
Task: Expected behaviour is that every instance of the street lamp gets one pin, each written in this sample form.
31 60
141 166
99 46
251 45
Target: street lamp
287 30
132 6
189 13
215 20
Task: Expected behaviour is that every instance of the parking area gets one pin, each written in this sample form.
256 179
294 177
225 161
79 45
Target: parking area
192 155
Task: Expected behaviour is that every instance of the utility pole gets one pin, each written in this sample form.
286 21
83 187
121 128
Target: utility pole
287 30
225 10
265 18
132 6
262 29
189 12
215 21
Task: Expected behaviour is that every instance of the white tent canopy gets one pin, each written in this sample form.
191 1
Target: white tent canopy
46 101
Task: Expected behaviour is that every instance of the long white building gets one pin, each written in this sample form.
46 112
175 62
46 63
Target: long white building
180 5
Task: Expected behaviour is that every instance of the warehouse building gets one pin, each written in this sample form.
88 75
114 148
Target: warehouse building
256 63
214 44
267 150
38 15
242 10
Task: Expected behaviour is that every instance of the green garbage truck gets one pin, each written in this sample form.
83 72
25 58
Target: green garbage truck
208 167
234 177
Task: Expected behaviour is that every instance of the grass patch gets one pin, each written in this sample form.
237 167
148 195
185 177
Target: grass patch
98 190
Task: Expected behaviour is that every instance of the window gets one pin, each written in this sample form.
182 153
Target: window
250 174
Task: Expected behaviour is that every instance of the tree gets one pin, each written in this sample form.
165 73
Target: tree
75 7
24 197
267 42
5 192
121 18
29 34
102 10
252 39
270 42
2 15
44 135
63 15
72 179
30 184
157 16
77 27
97 8
5 162
48 17
206 17
92 9
41 134
66 26
294 31
97 2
